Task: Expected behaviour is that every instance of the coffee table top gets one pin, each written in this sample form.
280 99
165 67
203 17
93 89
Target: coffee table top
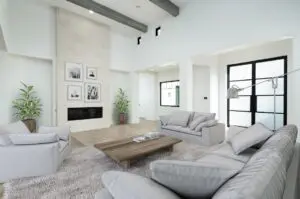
127 149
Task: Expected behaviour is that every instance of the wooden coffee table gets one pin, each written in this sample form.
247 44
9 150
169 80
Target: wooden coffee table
126 151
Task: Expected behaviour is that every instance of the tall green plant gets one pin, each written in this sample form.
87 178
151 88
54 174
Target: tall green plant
27 105
122 102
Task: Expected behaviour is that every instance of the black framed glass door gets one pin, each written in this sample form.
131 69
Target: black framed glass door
256 104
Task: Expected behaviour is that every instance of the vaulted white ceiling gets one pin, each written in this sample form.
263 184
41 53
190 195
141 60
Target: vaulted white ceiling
140 10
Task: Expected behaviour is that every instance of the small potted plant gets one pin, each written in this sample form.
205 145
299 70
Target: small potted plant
28 107
122 105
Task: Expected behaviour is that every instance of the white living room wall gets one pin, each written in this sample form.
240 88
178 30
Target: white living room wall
147 95
166 75
119 79
36 72
30 29
201 88
80 40
263 51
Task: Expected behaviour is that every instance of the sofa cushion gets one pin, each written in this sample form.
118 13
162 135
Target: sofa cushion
62 145
103 194
63 131
199 179
179 118
208 123
283 142
36 138
233 130
193 124
250 137
164 119
227 151
16 127
123 185
262 177
5 140
210 116
181 129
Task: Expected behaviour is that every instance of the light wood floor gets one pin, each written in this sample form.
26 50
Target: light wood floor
90 138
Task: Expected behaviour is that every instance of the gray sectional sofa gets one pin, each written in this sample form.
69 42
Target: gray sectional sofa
269 172
196 127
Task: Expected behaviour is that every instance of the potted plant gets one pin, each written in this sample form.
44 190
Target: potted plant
28 107
122 104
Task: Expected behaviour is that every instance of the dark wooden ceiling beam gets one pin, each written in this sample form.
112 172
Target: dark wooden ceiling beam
111 14
168 6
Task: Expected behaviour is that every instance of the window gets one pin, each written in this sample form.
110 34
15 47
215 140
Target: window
169 93
256 104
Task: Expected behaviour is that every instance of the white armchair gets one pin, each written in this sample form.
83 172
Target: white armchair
19 159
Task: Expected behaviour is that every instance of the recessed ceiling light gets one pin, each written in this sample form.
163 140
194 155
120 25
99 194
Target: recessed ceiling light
138 6
91 12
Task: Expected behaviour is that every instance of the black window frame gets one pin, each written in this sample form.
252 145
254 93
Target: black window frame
160 83
253 96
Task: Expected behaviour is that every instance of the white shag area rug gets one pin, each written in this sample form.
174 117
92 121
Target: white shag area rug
80 175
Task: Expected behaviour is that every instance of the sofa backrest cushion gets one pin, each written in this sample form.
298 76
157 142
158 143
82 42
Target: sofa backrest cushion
283 142
210 116
208 123
179 118
199 179
250 137
16 127
34 138
262 177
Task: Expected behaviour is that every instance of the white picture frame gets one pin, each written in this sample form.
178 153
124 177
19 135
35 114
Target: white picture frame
74 93
91 73
74 72
92 92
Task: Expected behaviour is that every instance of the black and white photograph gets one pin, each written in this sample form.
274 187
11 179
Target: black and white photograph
92 92
74 72
74 93
91 73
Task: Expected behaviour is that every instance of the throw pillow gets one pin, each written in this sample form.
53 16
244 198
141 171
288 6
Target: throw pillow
164 119
210 116
63 132
233 130
250 137
208 123
123 185
199 179
197 121
16 127
179 118
23 139
5 140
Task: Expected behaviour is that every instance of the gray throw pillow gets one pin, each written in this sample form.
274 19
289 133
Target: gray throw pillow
123 185
208 123
210 116
63 131
5 140
199 179
197 121
250 137
16 127
34 138
179 118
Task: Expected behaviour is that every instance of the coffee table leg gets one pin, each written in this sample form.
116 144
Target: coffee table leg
125 164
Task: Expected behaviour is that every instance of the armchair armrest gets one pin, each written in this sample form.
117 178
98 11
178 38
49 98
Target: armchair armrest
28 160
214 134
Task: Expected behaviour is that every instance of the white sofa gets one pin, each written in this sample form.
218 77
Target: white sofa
26 160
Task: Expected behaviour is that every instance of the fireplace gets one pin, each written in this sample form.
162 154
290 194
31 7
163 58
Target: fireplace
85 113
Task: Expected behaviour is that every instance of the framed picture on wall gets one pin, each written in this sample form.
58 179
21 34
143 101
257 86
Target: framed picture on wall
74 72
91 73
92 92
74 93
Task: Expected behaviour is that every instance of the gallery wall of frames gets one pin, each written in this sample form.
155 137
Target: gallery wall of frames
86 86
